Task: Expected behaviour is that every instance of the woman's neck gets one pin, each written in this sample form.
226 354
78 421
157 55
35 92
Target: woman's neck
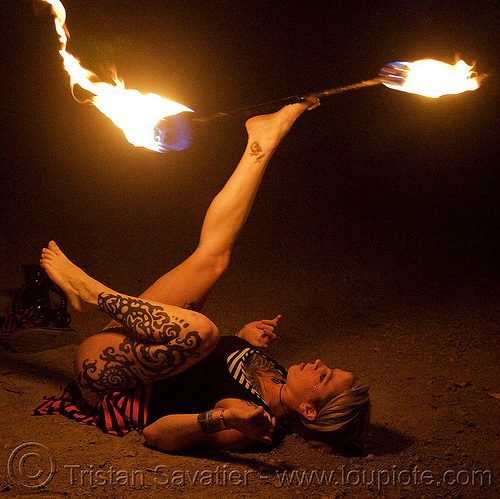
273 388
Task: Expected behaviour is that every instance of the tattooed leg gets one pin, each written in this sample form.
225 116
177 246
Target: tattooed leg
124 363
160 341
154 343
189 284
148 322
230 208
151 322
157 340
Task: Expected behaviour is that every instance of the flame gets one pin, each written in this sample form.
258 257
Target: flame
136 114
432 78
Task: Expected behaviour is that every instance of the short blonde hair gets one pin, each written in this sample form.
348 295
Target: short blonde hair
342 417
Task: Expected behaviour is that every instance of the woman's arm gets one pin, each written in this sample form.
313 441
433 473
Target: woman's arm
260 333
241 425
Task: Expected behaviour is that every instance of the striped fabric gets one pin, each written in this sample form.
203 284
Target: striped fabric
119 413
236 366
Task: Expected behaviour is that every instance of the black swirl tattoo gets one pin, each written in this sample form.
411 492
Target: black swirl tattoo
256 150
148 323
135 363
156 346
116 373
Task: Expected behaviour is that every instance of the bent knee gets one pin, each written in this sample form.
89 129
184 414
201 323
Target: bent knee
210 336
221 262
212 263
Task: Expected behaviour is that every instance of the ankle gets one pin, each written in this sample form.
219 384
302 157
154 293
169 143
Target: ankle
260 149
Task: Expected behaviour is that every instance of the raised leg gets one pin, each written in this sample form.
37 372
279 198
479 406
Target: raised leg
189 284
157 335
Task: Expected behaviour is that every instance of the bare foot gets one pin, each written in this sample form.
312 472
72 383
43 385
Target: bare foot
268 130
81 289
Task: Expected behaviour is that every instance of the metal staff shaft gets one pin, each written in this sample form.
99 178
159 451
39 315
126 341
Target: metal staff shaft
276 104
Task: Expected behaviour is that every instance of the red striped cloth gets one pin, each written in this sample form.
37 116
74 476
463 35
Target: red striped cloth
11 323
119 413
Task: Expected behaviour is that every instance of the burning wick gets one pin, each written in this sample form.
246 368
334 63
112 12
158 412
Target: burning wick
136 114
430 78
161 125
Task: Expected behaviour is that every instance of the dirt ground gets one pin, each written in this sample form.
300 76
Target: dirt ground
430 352
373 235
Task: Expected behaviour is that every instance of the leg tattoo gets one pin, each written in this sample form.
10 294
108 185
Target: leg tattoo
148 323
134 363
156 346
256 150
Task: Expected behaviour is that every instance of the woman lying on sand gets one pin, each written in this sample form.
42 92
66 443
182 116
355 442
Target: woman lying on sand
161 367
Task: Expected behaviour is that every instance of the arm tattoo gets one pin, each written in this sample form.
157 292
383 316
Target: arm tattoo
256 150
210 425
149 323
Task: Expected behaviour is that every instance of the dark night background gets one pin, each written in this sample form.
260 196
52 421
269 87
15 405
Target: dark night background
375 232
375 179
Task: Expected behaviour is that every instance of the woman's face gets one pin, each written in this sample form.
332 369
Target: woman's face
307 382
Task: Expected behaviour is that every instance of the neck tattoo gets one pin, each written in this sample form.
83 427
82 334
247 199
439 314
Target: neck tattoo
281 382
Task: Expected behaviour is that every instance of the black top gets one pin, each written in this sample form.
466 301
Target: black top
218 376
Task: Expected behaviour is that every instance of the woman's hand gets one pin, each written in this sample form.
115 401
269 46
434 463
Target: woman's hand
254 424
260 333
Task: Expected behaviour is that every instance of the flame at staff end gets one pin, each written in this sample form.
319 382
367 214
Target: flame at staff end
136 114
430 78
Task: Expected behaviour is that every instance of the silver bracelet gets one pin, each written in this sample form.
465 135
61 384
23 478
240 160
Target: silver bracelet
208 424
221 420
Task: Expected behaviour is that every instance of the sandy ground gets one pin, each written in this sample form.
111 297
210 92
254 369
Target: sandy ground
428 347
374 234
